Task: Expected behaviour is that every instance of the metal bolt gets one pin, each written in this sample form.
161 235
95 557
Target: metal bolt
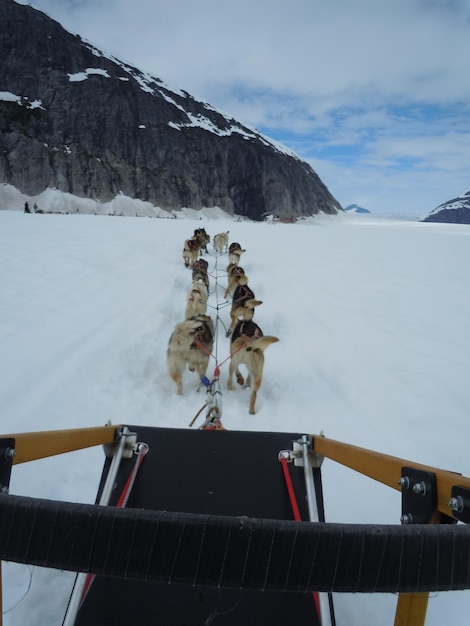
284 454
420 488
404 482
406 519
10 453
456 504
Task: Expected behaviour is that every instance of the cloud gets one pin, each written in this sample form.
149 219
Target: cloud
335 49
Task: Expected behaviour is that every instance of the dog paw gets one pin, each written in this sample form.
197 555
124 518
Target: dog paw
240 380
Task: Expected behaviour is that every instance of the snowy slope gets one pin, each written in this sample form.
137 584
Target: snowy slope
374 349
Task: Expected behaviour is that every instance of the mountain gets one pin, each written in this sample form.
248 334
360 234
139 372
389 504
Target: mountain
397 215
354 208
456 211
81 121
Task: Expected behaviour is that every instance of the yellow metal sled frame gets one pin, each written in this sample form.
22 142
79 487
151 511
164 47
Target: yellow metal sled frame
43 444
411 607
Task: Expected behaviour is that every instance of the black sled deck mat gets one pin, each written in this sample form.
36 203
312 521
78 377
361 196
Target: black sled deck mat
209 472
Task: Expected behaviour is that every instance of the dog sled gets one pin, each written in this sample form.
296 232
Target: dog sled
235 522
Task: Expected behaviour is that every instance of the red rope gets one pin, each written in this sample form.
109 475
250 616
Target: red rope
233 353
290 489
126 492
121 503
203 348
296 513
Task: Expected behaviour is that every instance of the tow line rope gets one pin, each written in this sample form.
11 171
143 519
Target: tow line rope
213 402
284 458
141 451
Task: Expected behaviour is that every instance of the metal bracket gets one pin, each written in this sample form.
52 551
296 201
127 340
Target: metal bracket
418 496
314 459
7 454
460 503
129 448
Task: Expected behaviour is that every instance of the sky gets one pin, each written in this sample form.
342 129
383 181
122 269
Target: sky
374 350
374 95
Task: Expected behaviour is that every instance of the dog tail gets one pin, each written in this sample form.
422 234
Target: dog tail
261 343
252 303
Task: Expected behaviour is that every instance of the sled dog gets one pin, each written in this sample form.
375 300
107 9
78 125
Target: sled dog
236 276
243 306
196 300
190 345
193 246
202 237
190 252
200 271
221 242
234 253
247 348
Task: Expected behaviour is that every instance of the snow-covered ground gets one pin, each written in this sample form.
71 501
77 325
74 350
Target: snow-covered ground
373 321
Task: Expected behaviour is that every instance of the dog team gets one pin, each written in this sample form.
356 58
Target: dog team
192 340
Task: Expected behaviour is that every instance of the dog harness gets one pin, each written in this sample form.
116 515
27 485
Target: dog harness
242 293
249 330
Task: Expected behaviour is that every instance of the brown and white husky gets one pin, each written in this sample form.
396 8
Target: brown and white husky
196 300
190 345
247 348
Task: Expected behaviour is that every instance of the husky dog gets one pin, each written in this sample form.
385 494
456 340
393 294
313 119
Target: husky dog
236 276
221 242
247 348
234 253
196 300
203 238
193 246
243 306
190 345
190 252
200 272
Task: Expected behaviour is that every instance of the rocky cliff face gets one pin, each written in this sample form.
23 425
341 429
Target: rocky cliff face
456 211
75 119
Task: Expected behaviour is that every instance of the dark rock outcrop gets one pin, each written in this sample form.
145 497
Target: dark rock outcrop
455 211
83 122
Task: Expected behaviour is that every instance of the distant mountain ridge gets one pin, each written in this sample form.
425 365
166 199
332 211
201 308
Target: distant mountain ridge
75 119
455 211
355 208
